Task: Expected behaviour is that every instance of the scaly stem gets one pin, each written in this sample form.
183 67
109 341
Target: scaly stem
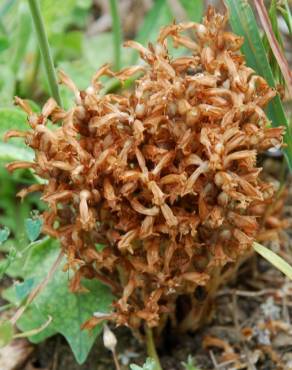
44 48
117 34
151 349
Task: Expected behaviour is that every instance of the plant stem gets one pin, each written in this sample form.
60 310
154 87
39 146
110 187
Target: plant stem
45 49
151 349
116 361
117 34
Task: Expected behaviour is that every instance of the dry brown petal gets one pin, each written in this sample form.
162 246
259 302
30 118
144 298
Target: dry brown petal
196 277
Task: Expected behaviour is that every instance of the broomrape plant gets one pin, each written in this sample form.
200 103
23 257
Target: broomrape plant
164 176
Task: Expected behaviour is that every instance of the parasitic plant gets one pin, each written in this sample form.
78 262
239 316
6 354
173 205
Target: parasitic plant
163 176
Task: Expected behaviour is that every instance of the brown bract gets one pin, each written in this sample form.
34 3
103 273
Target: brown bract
163 176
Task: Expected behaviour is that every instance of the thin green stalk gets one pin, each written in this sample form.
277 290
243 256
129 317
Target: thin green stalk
151 349
117 34
45 49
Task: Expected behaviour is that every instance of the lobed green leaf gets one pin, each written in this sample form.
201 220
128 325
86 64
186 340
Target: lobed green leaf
33 228
68 310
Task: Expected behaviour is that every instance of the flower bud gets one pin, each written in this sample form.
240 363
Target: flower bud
109 339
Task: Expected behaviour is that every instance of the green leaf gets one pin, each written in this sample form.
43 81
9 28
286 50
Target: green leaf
286 14
60 15
68 310
149 365
12 119
31 319
67 46
22 290
194 9
4 43
15 149
243 23
4 233
84 4
5 263
9 152
33 228
92 50
99 247
21 37
57 14
190 364
274 259
7 83
6 7
6 333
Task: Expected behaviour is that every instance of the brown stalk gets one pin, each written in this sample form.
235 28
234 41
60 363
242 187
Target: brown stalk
278 53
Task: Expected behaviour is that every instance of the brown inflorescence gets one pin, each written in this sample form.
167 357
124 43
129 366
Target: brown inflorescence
163 176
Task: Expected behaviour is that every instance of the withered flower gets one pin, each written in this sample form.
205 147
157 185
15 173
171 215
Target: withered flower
163 176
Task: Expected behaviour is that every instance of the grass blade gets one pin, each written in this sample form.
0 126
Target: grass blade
286 14
243 23
117 34
273 15
45 48
274 259
280 57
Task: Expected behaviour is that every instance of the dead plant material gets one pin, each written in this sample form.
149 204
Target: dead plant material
164 176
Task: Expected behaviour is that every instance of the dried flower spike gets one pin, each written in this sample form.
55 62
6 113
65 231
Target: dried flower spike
163 176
